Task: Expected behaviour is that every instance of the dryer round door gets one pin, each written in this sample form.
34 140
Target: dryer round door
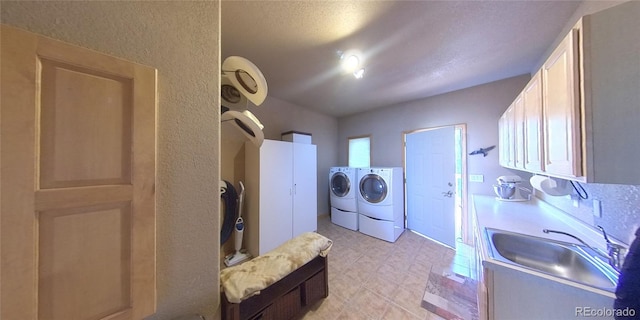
340 184
373 188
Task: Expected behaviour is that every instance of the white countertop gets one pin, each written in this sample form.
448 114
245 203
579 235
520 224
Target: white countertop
530 217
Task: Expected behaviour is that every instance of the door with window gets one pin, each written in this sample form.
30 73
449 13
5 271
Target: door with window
431 183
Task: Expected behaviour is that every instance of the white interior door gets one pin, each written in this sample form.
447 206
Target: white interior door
430 172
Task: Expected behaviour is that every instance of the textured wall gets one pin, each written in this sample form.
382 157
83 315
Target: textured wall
620 206
181 40
479 107
585 8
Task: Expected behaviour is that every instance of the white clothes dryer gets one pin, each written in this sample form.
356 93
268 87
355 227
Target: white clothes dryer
343 188
381 202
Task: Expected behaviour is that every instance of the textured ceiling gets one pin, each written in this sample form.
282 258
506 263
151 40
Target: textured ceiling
412 49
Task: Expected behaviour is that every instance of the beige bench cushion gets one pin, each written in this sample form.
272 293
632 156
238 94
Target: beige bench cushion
245 280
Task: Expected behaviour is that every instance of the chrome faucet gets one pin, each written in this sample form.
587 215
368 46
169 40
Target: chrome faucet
615 252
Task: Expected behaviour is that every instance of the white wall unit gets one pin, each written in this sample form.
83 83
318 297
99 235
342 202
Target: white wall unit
281 193
590 102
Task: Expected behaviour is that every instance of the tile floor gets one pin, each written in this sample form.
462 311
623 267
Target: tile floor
374 279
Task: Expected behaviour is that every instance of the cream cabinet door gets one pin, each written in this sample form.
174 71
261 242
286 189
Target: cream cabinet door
518 133
510 136
561 110
503 140
78 182
532 101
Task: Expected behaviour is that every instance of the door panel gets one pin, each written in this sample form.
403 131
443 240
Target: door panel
305 200
430 161
78 182
532 96
79 128
82 249
276 194
561 117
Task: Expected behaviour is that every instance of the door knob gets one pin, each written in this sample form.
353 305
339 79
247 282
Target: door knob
448 194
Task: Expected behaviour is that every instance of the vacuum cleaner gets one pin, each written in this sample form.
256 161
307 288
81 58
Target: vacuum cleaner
239 255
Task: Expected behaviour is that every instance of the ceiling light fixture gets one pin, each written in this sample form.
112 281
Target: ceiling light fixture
351 62
359 74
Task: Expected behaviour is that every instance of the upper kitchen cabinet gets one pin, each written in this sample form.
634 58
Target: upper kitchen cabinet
532 105
584 103
561 109
512 128
506 133
518 129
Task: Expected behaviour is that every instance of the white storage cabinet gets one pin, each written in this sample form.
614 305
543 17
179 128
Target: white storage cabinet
281 193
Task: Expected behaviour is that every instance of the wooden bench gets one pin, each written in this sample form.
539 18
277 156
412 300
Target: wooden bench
285 299
280 284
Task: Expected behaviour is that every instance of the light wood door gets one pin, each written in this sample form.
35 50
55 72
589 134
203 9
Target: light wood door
561 110
78 182
532 98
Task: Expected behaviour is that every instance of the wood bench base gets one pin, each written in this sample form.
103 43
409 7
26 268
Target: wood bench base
285 299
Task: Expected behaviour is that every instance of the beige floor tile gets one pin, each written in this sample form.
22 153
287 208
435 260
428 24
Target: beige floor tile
350 314
327 309
382 285
373 279
392 272
411 301
369 303
344 286
395 312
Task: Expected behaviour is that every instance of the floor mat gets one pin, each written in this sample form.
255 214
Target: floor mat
451 296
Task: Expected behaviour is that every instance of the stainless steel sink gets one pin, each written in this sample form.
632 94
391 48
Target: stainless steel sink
569 261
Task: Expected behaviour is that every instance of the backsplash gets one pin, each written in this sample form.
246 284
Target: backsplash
620 208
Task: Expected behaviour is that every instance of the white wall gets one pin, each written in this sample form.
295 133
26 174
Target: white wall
479 107
181 40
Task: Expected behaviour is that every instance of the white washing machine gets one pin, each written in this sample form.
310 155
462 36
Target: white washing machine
381 202
343 188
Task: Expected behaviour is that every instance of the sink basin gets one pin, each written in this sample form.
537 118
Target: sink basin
569 261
